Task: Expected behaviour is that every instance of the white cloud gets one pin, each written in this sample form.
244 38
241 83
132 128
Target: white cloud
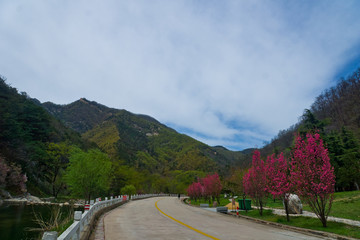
231 72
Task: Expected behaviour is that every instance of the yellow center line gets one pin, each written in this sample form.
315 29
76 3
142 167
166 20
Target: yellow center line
184 224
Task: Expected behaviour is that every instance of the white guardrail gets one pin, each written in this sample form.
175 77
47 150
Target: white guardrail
82 220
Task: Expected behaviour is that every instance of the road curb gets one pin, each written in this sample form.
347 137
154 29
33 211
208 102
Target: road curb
282 226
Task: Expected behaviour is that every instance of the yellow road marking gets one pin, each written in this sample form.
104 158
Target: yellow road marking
184 224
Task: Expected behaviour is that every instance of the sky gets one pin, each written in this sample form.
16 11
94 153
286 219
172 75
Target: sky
230 73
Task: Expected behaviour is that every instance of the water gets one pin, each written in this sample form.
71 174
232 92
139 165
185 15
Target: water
16 219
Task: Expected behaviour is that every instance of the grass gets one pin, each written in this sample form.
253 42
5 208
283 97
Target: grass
306 222
345 205
58 221
223 201
61 228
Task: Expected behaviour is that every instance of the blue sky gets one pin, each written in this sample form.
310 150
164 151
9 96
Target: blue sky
229 73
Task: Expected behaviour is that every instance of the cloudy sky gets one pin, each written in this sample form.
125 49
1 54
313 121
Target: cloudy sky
229 73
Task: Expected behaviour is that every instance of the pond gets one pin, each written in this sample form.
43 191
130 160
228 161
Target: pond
15 220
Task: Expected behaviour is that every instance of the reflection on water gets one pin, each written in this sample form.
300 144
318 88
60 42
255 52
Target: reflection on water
16 219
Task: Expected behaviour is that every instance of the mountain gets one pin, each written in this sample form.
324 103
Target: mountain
81 115
37 140
142 141
26 130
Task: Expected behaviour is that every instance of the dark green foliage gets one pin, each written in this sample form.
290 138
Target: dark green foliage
336 116
25 131
81 115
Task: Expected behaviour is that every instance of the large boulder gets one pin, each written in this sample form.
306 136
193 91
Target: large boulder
33 199
294 204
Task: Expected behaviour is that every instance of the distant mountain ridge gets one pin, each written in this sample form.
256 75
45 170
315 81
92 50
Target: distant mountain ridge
141 140
36 140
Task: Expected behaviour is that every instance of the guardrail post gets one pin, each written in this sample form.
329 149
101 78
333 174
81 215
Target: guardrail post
77 215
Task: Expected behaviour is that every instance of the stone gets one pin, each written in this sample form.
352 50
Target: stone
222 210
33 199
294 204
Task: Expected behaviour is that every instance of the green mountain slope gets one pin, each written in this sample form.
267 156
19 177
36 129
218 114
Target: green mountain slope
81 115
141 141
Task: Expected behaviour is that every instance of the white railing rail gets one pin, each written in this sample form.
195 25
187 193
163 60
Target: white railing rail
82 220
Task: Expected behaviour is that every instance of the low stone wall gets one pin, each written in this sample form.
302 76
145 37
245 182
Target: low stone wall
84 222
93 222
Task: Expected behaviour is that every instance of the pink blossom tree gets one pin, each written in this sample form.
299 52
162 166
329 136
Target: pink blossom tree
312 174
11 177
195 190
255 181
212 187
208 187
278 179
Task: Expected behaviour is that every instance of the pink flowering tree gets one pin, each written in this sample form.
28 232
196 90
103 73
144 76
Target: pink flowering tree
195 191
255 181
278 179
209 188
312 174
11 177
212 187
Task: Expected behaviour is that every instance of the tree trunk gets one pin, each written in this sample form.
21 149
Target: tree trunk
261 208
244 203
323 220
286 203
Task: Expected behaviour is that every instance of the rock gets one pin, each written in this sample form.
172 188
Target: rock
15 201
49 199
294 204
5 194
33 199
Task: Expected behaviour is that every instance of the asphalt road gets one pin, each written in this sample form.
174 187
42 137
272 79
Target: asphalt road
168 218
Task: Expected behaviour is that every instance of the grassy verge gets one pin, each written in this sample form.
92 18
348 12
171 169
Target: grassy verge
223 201
345 205
60 229
306 222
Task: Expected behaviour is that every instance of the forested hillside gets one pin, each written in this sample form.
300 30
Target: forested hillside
38 142
144 143
26 130
335 114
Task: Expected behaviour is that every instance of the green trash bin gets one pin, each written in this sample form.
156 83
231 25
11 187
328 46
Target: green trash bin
241 204
246 206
